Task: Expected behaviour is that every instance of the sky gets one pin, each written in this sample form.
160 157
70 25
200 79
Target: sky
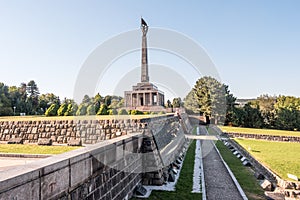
254 45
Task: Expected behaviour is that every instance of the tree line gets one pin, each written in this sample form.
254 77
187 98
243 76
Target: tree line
213 99
27 99
208 97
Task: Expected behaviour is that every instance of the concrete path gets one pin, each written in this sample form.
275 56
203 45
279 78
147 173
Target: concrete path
218 182
201 137
11 162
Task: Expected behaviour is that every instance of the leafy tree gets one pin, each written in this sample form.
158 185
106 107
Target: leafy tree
169 104
97 102
191 103
86 100
266 106
287 119
252 118
32 99
5 103
177 103
211 97
52 110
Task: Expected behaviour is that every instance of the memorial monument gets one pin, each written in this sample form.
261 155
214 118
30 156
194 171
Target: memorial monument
144 96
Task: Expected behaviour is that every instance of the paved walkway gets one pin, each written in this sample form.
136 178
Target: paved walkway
11 162
218 182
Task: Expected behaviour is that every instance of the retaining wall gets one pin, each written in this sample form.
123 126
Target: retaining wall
100 171
62 131
265 137
107 170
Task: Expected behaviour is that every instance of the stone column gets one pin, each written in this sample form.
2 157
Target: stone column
151 98
144 98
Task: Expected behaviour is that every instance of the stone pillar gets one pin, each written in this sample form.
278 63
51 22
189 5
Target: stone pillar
151 98
144 98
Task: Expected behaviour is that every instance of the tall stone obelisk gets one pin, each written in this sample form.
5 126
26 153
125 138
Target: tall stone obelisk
144 72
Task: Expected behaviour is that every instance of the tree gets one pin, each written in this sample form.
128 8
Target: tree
287 119
177 103
211 98
5 103
97 102
32 99
266 106
190 103
169 104
86 100
252 117
52 110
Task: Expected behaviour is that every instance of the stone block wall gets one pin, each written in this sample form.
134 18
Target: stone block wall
265 137
62 131
108 170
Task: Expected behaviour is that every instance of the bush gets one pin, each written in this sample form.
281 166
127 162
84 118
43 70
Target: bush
122 112
146 113
91 110
161 113
112 111
62 109
52 110
136 112
103 110
81 110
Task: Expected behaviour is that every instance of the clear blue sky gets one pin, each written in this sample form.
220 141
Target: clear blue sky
255 45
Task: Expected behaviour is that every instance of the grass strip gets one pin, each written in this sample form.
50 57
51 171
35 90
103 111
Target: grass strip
243 174
230 129
280 157
184 185
34 149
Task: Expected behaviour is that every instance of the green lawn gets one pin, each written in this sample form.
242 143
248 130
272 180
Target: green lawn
280 157
184 185
259 131
34 149
243 174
